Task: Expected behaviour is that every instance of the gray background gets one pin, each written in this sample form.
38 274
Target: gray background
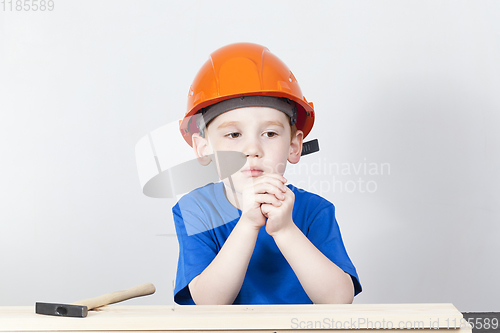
407 104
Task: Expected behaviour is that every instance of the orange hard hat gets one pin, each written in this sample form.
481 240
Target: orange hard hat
243 69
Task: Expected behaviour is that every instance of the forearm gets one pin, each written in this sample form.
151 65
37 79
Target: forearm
322 280
221 281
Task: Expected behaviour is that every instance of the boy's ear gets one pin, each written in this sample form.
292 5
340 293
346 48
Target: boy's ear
201 149
296 147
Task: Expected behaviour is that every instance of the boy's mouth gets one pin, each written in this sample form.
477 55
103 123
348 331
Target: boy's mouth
252 172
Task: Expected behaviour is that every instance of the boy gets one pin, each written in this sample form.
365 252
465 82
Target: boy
251 239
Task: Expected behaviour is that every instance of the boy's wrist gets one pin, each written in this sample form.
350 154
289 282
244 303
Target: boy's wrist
286 233
247 224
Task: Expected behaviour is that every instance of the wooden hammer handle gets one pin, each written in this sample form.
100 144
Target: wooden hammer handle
117 296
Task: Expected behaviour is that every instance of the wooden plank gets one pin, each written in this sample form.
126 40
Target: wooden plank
261 318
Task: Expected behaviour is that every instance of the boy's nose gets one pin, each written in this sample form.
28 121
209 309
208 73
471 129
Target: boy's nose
252 148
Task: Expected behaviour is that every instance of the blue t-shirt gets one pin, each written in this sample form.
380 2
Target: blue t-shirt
204 218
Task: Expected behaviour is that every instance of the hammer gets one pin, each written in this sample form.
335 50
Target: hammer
80 308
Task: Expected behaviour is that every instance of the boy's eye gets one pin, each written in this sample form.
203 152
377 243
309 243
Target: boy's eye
270 134
234 135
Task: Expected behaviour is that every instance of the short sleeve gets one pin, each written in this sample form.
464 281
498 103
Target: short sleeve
324 233
203 220
316 218
196 252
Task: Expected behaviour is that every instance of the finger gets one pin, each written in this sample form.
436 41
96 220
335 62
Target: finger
275 176
266 209
267 199
269 188
271 180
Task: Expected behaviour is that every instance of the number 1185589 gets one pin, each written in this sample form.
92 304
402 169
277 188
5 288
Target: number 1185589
26 5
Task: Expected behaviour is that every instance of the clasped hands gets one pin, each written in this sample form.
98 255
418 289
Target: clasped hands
267 196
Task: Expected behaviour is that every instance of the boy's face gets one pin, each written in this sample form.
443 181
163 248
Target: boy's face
262 134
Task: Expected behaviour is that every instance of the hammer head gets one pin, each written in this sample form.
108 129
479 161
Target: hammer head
64 310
